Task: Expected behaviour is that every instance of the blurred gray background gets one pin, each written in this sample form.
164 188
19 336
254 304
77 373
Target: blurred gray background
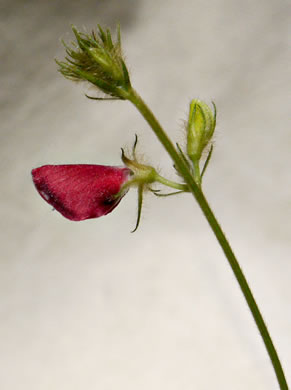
89 305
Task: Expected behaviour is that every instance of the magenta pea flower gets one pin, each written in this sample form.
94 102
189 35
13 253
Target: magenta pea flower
81 191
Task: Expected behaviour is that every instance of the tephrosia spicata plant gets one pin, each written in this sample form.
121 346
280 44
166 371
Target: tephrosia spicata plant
80 192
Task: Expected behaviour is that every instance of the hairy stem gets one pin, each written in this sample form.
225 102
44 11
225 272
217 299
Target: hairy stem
172 184
209 215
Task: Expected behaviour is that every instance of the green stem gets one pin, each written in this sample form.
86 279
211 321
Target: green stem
200 198
197 175
172 184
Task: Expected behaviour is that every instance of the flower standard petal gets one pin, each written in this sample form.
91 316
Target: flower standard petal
80 191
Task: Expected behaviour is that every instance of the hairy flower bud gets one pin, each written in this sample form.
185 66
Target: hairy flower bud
200 128
96 58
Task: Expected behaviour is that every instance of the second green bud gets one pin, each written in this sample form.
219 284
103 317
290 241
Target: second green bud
200 128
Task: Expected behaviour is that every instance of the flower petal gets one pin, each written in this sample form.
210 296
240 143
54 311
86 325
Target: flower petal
80 191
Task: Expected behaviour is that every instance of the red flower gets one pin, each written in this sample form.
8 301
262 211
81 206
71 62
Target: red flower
80 191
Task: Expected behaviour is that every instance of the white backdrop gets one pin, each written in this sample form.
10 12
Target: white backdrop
89 305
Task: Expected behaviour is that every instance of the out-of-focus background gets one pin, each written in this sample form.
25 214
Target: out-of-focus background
89 305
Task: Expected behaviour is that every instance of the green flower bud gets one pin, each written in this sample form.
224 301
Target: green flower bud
96 58
200 128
